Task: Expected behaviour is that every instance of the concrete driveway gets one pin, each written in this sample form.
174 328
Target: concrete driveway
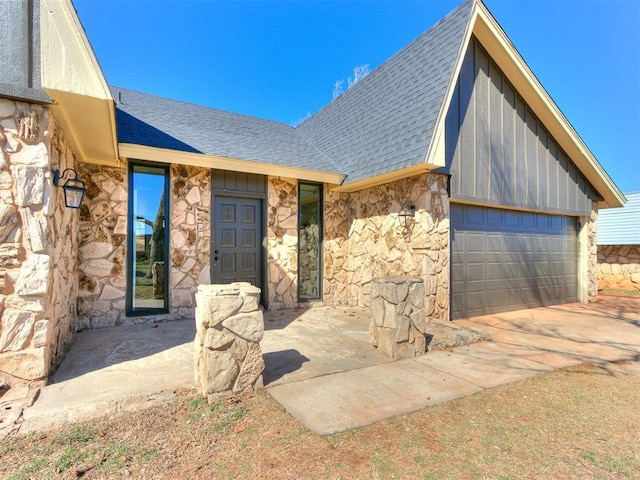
606 332
321 368
524 343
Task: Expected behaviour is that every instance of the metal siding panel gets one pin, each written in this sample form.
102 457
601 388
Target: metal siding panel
520 159
452 132
620 226
508 138
467 126
509 157
532 160
543 167
553 174
483 143
496 132
572 187
563 181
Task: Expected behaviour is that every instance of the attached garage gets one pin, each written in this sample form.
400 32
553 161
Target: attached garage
518 199
504 260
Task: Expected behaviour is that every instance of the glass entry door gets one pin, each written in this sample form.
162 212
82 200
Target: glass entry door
309 241
147 267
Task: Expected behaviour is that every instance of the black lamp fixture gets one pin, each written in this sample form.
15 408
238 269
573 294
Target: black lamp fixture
406 215
73 188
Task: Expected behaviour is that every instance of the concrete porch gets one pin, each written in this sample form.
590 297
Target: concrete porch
125 368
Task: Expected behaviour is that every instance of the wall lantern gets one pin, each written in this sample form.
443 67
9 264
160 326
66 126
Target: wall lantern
406 215
73 188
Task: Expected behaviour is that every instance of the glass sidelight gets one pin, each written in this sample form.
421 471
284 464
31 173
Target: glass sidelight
309 241
148 235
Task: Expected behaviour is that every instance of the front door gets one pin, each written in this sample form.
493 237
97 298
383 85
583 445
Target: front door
237 246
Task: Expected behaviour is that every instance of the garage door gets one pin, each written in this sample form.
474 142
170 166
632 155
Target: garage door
503 260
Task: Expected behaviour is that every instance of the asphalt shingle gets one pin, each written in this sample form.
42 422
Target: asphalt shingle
386 121
159 122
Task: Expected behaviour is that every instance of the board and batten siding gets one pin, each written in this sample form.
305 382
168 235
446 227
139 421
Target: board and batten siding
499 153
239 183
620 226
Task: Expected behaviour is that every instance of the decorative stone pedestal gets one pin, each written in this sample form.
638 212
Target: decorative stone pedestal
229 324
398 323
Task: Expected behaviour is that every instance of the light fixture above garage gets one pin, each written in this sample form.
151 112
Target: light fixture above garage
73 188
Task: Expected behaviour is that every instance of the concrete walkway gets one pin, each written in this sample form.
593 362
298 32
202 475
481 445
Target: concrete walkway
320 367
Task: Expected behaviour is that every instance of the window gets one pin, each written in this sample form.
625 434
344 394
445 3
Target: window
148 235
309 241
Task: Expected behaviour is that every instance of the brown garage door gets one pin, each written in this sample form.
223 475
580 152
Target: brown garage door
503 260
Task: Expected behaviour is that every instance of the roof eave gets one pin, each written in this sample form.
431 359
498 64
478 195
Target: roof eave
72 77
142 152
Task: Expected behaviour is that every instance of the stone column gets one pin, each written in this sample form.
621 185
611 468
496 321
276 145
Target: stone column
398 318
229 324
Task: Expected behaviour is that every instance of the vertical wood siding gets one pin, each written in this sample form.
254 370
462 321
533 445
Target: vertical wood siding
499 153
239 182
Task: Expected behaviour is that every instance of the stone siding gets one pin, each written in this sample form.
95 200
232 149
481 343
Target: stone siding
190 234
619 267
229 327
103 233
103 244
282 243
592 259
364 239
38 245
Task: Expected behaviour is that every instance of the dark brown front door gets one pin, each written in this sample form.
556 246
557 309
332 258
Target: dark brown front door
237 249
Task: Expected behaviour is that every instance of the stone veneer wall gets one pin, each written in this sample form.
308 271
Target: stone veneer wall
364 239
592 260
190 233
282 242
103 233
38 245
619 267
103 244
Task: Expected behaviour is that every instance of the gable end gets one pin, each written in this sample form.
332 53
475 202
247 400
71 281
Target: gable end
499 153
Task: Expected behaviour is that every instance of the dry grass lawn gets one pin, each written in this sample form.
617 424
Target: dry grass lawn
578 423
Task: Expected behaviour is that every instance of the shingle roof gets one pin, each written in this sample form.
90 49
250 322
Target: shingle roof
153 121
386 121
382 124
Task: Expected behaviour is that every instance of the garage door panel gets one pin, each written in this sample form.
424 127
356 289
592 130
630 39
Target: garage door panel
495 243
511 260
495 298
475 243
495 271
475 272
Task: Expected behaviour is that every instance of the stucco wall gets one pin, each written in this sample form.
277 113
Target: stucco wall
364 239
103 244
619 267
38 245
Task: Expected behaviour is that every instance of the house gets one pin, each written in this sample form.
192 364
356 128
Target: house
618 243
449 163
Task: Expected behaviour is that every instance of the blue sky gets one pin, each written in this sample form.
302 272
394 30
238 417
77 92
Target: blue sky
280 59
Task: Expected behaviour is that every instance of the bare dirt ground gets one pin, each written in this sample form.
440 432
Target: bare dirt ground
577 423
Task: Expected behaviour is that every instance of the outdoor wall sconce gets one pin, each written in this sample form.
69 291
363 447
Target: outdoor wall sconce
406 215
73 188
